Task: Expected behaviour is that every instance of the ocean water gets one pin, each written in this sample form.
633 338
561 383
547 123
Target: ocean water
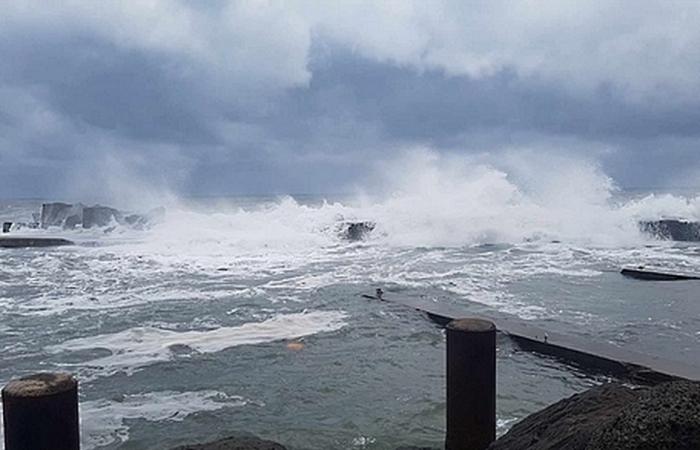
179 333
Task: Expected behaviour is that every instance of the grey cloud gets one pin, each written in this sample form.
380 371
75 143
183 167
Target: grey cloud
132 93
72 100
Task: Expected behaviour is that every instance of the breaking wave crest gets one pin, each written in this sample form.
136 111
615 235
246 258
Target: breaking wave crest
430 200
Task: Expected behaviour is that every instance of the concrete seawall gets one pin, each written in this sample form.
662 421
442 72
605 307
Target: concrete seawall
24 242
586 354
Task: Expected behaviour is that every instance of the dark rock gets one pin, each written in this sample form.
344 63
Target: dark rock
665 417
235 443
613 417
569 423
55 214
356 231
17 242
100 216
672 229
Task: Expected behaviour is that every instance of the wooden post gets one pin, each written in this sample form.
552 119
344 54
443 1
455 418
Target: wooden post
471 384
41 412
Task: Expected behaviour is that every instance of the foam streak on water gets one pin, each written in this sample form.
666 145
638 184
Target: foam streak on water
104 421
136 347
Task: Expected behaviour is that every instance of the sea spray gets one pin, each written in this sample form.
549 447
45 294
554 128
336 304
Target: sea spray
426 199
421 199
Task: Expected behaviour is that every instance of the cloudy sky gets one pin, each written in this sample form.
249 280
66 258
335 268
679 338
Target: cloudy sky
219 97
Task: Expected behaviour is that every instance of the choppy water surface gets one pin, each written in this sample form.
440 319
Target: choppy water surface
179 333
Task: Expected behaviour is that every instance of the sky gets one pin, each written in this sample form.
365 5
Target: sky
268 97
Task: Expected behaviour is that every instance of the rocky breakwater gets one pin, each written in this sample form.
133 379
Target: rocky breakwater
672 229
70 216
614 417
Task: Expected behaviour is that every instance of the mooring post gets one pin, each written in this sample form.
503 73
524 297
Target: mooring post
41 412
471 384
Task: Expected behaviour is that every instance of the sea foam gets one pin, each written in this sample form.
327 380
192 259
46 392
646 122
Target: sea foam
141 346
103 421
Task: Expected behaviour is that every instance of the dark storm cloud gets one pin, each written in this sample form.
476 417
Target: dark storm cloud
135 93
434 107
256 98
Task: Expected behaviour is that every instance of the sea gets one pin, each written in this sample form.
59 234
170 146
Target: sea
245 315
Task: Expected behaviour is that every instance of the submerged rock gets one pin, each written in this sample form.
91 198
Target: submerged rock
672 229
235 443
614 417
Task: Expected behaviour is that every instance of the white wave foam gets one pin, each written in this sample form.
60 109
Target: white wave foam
103 421
141 346
281 248
424 199
50 303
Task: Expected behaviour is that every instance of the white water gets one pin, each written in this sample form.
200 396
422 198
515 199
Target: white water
103 421
425 199
421 199
137 347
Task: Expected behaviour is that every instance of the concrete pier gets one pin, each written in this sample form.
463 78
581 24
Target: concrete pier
642 273
587 354
25 242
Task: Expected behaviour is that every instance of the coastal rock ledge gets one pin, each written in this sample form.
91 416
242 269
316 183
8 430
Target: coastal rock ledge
614 417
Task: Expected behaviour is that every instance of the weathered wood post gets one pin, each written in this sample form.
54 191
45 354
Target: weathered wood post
41 412
471 384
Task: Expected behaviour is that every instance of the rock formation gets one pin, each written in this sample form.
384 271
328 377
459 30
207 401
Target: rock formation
613 417
68 216
100 216
356 231
57 214
672 229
